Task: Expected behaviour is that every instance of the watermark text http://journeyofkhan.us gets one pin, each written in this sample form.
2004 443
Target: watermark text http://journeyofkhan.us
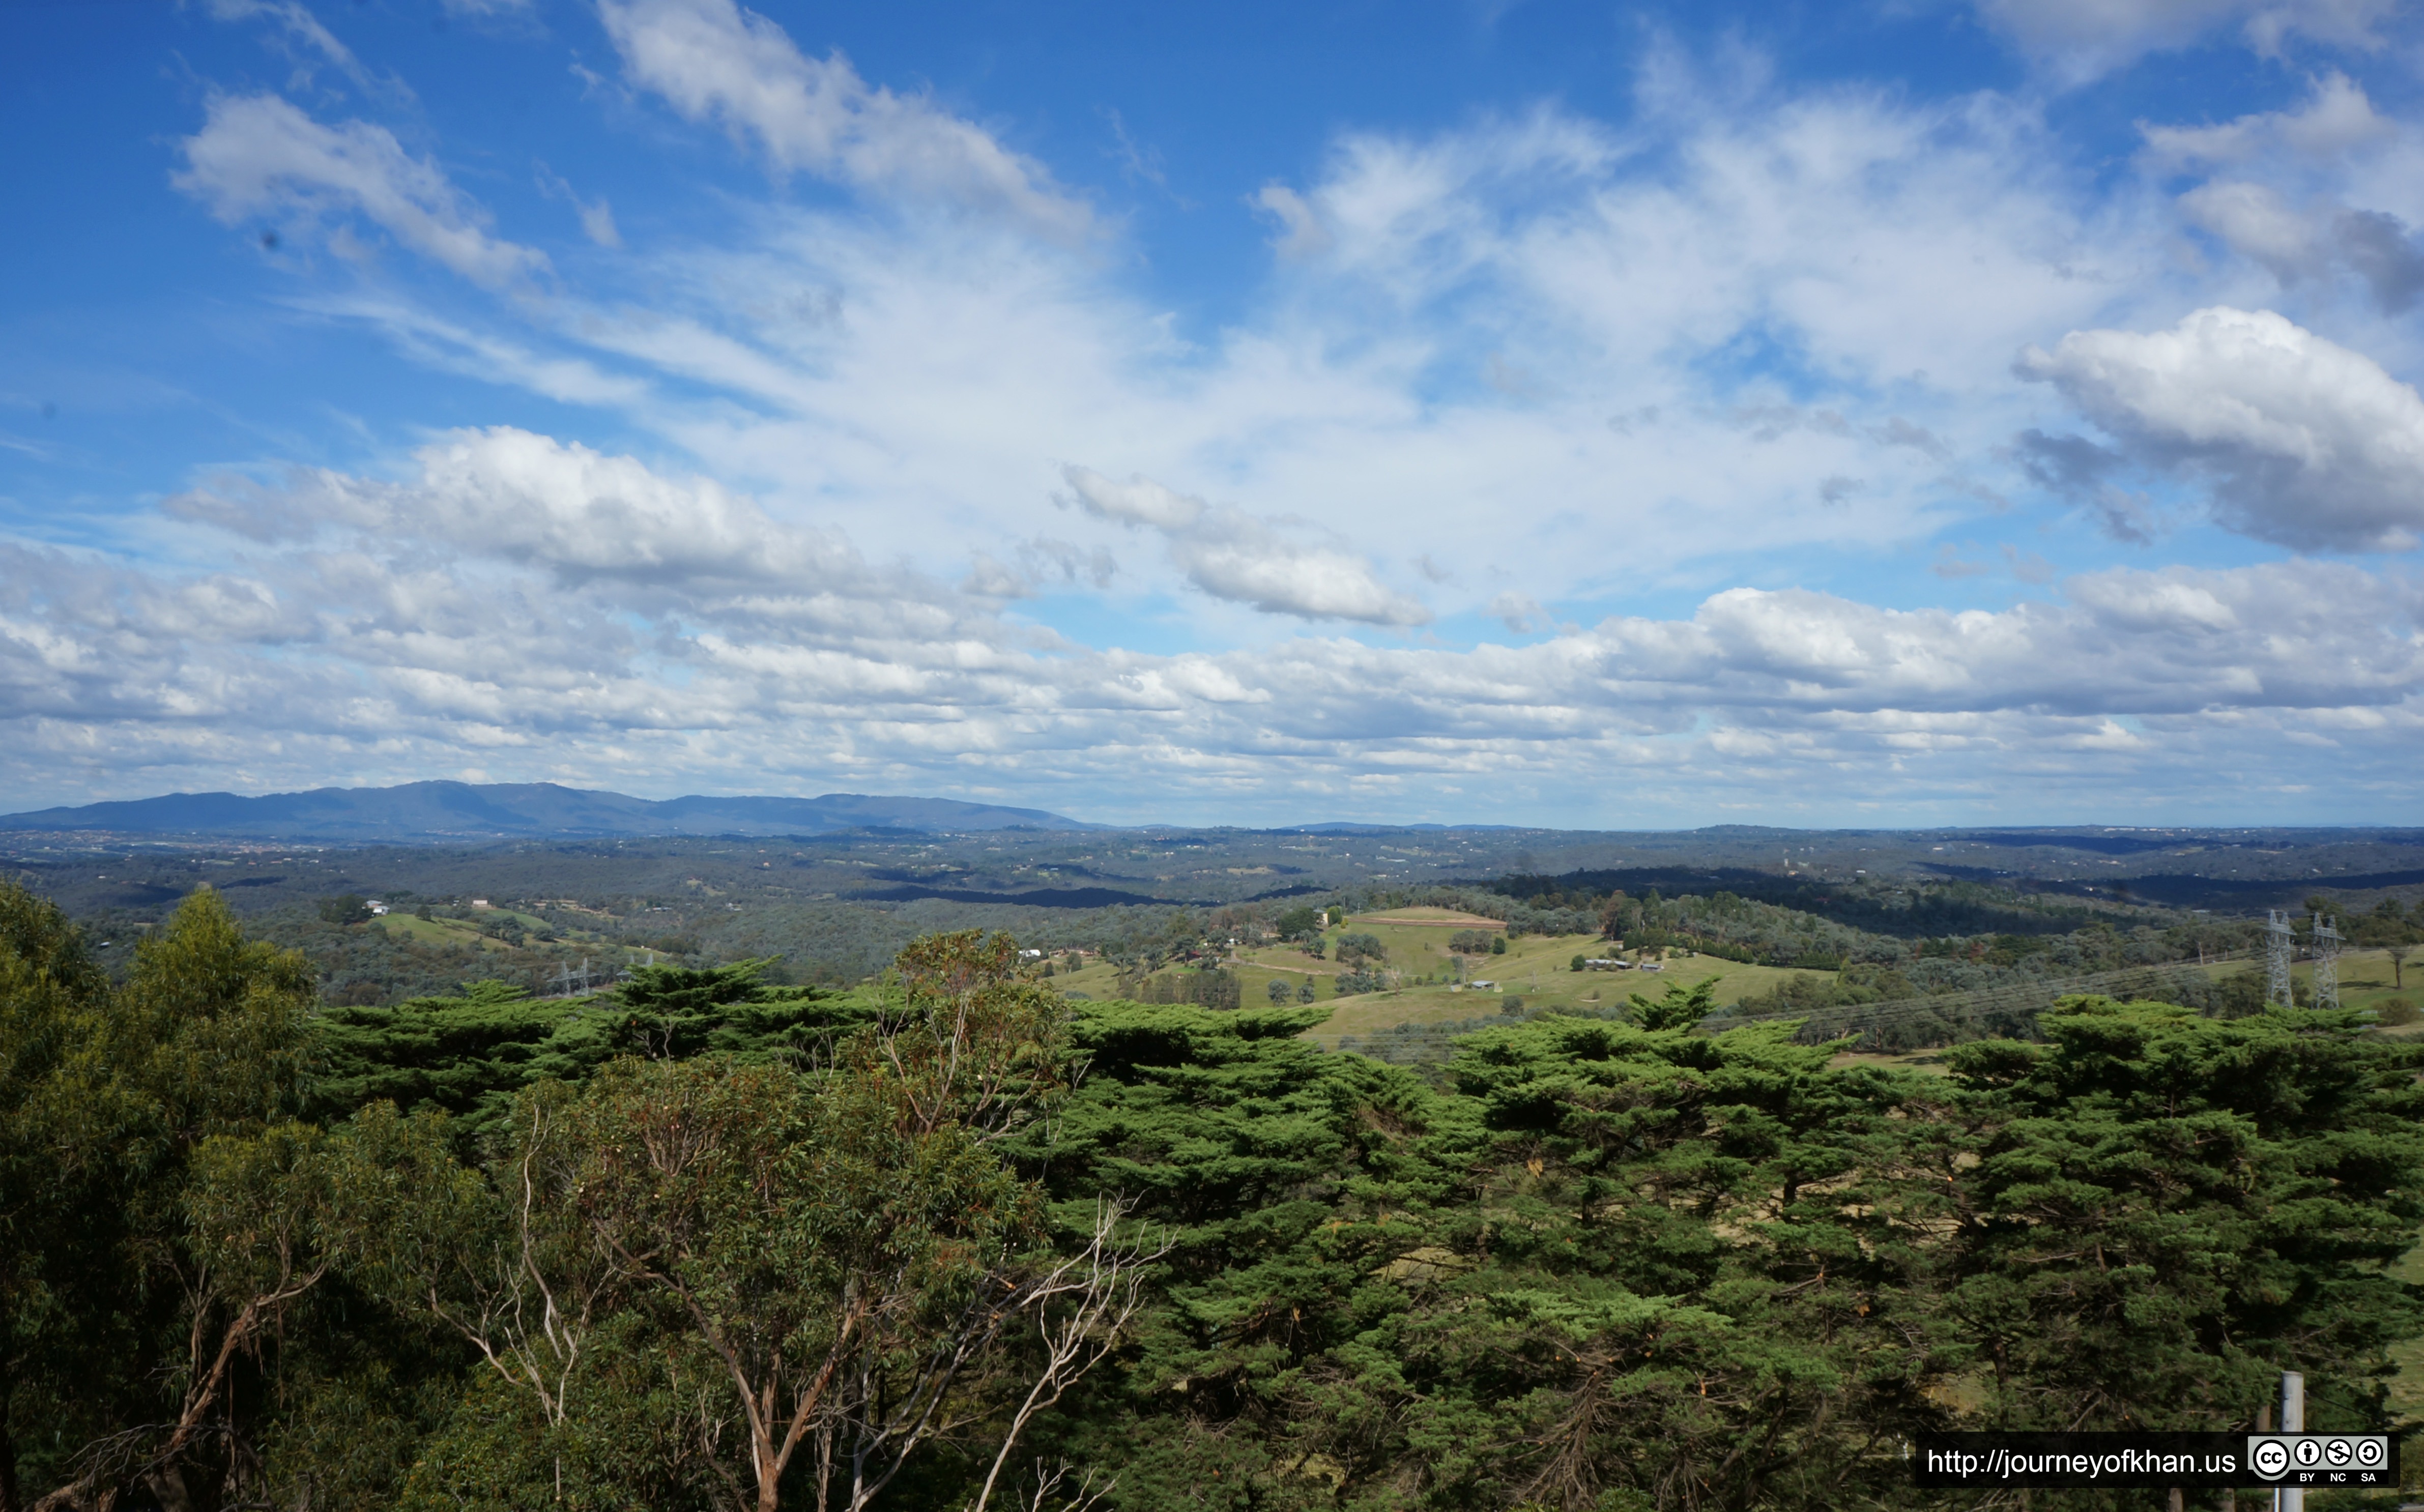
2056 1461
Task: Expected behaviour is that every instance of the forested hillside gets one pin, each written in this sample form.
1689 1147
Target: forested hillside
834 908
947 1241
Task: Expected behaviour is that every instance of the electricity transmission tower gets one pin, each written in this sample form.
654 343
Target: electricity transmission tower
2280 948
2327 963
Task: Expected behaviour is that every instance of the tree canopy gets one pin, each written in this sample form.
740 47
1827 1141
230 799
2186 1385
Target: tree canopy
950 1241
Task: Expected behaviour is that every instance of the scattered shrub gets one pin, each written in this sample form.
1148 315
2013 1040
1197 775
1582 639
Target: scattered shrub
1356 948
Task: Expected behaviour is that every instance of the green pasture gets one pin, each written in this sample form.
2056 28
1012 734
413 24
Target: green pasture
434 930
1537 968
2366 979
458 932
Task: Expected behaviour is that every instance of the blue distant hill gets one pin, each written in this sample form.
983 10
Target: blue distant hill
438 811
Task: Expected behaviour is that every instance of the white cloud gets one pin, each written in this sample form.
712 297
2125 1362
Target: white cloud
1301 233
596 216
2029 566
535 502
1740 340
712 60
2303 441
2258 224
259 155
1252 567
2378 248
1136 501
1235 556
1046 559
1521 614
1950 566
480 601
484 355
2291 174
2083 40
2337 118
597 223
914 386
301 27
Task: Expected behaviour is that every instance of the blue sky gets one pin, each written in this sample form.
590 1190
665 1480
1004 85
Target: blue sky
1530 412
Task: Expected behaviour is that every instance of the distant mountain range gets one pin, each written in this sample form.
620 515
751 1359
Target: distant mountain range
435 811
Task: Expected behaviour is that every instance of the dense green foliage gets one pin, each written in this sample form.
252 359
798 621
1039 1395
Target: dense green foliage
469 1054
122 1108
713 1243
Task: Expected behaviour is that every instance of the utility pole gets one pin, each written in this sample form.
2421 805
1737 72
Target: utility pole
2327 963
2280 948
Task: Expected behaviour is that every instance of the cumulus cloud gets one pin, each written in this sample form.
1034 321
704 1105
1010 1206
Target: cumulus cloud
1254 568
470 603
1136 502
2080 41
1235 556
2302 441
2279 197
259 155
2260 224
538 501
712 60
2379 246
1811 260
1775 294
1845 234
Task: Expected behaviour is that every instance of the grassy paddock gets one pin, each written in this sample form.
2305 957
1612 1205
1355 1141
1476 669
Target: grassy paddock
434 930
1537 968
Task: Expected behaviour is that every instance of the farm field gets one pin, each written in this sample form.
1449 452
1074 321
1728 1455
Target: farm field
462 932
1536 970
434 931
2366 979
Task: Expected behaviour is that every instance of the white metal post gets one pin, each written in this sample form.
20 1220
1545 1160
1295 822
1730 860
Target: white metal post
2293 1420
